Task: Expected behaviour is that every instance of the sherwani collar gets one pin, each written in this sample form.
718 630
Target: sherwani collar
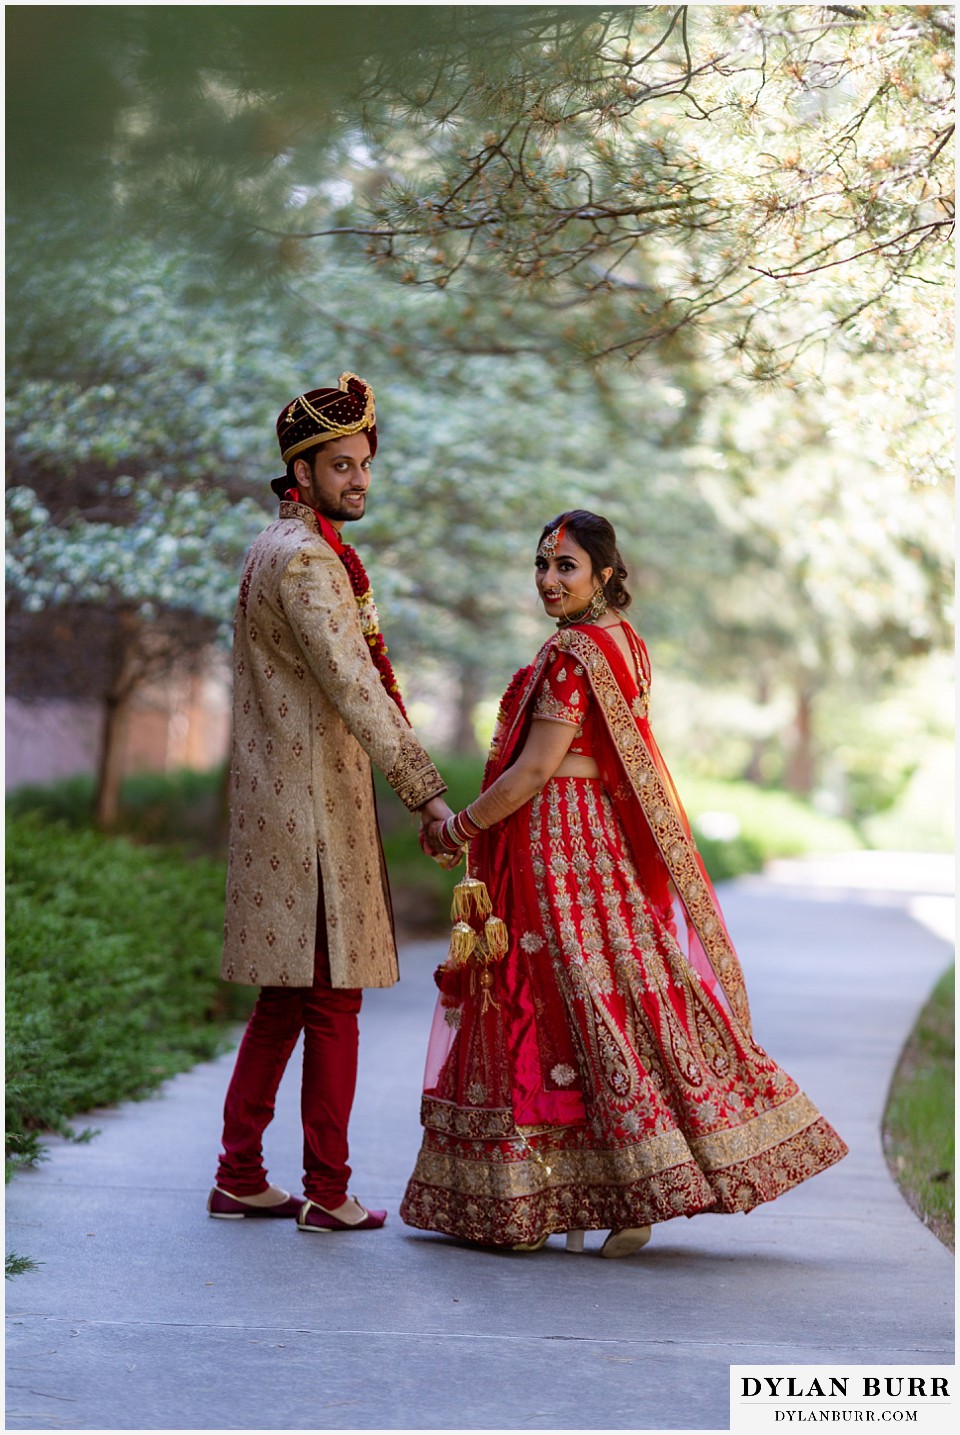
303 511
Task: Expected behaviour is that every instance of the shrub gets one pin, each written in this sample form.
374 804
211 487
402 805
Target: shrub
113 954
767 824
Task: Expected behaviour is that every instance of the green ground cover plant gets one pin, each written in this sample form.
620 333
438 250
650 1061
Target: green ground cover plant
185 807
112 961
918 1124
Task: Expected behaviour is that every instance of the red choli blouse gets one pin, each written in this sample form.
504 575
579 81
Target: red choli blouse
565 696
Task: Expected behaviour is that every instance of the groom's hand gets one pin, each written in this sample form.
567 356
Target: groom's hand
436 810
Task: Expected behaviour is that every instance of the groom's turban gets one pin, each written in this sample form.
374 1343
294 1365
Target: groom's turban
325 414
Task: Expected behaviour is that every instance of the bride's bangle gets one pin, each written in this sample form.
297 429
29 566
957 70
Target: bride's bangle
468 813
448 838
458 830
463 828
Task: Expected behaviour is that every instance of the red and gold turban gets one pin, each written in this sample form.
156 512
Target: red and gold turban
324 414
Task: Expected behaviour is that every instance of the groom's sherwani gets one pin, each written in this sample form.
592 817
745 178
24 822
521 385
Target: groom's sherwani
309 715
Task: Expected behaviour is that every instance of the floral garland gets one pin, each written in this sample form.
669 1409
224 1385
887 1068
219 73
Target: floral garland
366 607
370 622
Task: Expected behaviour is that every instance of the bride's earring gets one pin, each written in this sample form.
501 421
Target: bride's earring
598 605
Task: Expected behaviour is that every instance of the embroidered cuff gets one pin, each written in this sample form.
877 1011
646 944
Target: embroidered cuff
413 776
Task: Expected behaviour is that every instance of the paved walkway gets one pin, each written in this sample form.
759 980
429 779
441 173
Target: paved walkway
147 1315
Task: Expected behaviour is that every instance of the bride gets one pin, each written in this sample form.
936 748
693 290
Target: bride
591 1065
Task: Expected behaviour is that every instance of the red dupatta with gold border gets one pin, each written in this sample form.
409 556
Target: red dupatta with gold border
639 784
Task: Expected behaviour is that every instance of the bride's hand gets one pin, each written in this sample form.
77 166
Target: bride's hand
428 841
428 838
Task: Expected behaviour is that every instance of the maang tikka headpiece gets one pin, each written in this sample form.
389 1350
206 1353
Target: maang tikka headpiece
549 545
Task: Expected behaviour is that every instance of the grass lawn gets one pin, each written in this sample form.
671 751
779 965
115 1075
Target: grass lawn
918 1124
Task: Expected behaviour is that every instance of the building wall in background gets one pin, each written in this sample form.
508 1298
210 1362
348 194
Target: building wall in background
185 723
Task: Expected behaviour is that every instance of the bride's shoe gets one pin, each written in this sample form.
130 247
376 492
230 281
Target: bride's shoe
626 1242
536 1245
574 1243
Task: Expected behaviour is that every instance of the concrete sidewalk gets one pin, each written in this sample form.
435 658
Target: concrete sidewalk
145 1314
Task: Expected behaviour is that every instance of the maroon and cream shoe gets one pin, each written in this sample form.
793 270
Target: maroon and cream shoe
271 1202
317 1218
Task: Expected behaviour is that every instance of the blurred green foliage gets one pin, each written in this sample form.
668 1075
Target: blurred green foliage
470 205
186 808
771 824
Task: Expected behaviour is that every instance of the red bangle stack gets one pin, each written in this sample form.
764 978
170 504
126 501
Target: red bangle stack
458 830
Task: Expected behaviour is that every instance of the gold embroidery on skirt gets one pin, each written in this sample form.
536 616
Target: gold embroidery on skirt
581 1194
673 842
510 1178
764 1132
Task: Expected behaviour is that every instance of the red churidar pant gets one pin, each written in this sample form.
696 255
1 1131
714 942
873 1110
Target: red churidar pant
327 1016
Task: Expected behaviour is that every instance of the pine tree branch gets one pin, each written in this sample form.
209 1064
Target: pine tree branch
873 249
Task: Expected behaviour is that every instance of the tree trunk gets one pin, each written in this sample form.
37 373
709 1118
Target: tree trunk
127 674
753 772
759 745
110 765
801 773
469 693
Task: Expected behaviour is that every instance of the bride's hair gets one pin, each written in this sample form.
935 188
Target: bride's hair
597 538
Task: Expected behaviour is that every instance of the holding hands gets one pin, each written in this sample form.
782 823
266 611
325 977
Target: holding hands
444 834
433 814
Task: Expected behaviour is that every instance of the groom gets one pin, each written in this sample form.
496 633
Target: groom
308 915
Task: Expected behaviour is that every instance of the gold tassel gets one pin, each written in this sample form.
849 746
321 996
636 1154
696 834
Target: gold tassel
470 895
497 938
486 982
463 942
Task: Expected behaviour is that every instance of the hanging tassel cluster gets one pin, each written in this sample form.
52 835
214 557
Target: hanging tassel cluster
463 943
497 938
470 895
472 944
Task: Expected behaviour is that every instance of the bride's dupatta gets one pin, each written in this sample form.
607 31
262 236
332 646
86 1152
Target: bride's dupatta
650 809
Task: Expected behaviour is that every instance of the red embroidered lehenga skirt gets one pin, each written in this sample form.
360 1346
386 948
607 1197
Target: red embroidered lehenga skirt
660 1105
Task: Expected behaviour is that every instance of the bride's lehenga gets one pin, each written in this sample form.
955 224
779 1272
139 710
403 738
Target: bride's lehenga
598 1076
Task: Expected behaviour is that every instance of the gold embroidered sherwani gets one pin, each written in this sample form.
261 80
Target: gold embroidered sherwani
309 715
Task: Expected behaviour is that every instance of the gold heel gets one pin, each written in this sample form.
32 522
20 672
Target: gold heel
536 1245
575 1242
626 1242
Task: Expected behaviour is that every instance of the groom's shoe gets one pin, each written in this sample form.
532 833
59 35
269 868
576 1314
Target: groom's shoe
271 1202
317 1218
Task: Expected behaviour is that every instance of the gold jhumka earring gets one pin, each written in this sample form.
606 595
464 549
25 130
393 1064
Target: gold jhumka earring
598 605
